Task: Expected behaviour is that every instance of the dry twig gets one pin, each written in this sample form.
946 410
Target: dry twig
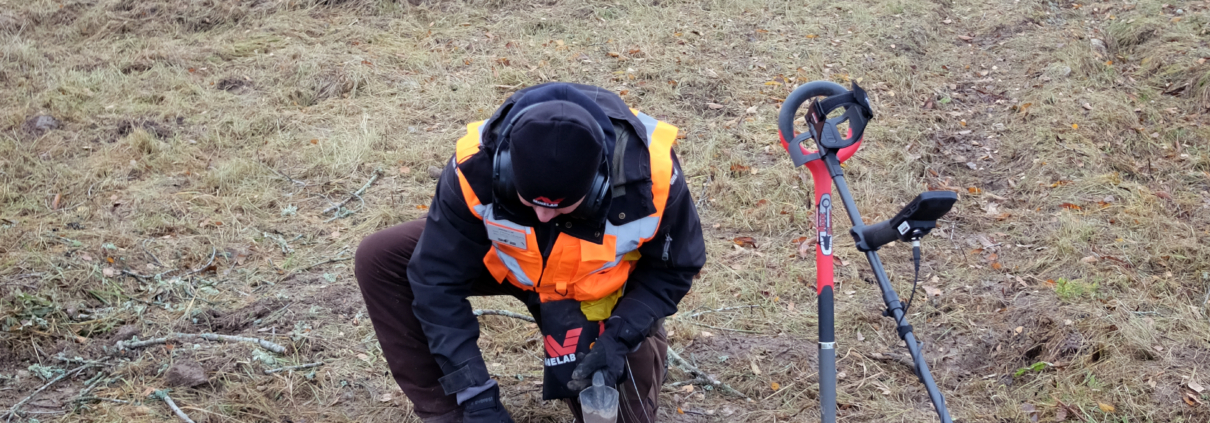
676 360
13 411
163 395
298 367
377 173
505 313
121 345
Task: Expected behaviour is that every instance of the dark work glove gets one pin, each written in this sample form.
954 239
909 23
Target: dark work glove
485 408
608 354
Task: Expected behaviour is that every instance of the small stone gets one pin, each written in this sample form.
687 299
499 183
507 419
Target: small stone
40 124
126 332
186 373
434 172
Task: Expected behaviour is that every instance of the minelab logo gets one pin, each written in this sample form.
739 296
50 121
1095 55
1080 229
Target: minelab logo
543 201
823 224
565 352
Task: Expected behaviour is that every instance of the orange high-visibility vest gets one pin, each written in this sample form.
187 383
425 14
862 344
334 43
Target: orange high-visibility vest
575 269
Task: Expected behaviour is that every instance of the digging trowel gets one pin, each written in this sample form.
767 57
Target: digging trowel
599 402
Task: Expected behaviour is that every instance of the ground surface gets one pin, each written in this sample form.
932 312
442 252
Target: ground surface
167 167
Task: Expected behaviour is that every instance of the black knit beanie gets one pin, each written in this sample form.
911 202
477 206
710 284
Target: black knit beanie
556 150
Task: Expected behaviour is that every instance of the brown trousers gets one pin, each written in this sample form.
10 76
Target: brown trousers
381 265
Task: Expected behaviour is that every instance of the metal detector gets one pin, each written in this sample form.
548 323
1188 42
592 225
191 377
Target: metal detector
909 225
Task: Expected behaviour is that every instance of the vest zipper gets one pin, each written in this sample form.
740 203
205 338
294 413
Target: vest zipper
667 243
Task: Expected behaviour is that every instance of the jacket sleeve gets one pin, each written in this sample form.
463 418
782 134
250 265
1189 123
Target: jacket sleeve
447 259
666 268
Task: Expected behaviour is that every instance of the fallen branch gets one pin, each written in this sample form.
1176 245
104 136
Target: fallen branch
163 395
719 328
213 252
333 260
117 401
13 411
676 360
719 310
377 173
123 345
289 368
505 313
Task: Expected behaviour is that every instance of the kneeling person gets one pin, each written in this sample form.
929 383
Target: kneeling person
573 204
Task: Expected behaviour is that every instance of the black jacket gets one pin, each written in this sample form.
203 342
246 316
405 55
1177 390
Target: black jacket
449 255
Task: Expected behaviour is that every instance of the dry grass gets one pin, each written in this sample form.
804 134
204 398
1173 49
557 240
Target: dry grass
1079 241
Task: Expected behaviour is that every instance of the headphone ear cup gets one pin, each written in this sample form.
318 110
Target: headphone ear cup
502 173
598 194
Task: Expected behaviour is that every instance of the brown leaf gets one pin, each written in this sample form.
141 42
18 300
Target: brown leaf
745 241
1070 206
421 207
996 265
739 168
806 248
974 190
54 205
1108 408
1160 194
931 291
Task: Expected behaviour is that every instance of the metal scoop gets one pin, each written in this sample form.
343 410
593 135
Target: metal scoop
599 402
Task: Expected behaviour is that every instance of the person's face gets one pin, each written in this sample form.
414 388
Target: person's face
546 214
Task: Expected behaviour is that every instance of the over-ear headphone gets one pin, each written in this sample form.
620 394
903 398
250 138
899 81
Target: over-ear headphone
505 192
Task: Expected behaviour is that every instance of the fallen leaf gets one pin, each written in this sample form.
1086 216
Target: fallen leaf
405 170
314 141
860 337
996 265
1089 259
965 37
706 334
109 272
421 207
1108 408
85 257
1087 106
1192 399
687 389
1070 206
54 205
812 36
775 386
679 410
974 190
745 241
739 168
385 398
715 106
1196 387
931 291
755 368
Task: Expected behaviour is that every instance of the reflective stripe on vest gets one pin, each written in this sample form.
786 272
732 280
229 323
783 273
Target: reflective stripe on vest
575 269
